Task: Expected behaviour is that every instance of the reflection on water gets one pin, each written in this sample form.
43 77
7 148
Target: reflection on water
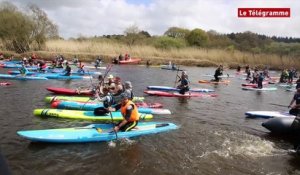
214 137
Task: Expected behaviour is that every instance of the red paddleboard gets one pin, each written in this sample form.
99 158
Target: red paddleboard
148 105
5 83
66 91
176 94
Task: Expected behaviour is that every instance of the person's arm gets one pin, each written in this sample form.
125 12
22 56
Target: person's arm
128 112
99 99
117 128
116 108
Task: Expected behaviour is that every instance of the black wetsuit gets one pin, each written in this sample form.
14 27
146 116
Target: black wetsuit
295 111
68 71
218 73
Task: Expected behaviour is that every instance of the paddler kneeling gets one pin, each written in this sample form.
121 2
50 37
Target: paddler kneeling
129 112
184 83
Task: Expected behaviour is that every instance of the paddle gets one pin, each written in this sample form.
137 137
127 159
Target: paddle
176 77
108 68
112 121
90 78
278 105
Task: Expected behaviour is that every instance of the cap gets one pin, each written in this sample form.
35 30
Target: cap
124 96
128 84
110 76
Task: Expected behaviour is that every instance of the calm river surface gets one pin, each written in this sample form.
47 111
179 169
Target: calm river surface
214 136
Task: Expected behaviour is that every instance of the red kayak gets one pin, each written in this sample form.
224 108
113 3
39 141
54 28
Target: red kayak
5 83
130 61
65 91
176 94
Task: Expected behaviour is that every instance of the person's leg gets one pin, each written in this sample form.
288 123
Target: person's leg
100 111
129 126
294 111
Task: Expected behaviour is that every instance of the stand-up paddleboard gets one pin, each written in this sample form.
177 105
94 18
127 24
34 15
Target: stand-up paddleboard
5 83
214 82
176 94
55 72
63 77
254 85
168 67
83 115
221 76
291 89
286 85
11 62
94 133
282 126
148 105
21 77
258 89
50 99
18 66
94 67
72 105
66 91
166 88
268 114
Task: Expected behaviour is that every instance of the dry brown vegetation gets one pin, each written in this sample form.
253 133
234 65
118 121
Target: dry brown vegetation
88 50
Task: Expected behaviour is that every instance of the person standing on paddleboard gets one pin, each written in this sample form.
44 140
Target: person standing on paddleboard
260 80
248 72
129 112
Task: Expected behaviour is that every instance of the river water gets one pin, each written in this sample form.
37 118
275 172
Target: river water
214 136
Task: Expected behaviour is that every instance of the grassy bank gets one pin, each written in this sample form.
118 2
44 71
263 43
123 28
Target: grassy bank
88 50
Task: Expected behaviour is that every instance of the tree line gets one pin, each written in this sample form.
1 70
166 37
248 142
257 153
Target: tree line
176 37
22 32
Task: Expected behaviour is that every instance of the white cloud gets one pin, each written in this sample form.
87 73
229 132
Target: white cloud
102 17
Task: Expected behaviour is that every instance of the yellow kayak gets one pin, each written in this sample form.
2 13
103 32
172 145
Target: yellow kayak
83 115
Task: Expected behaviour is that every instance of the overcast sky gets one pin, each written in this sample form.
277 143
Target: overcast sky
102 17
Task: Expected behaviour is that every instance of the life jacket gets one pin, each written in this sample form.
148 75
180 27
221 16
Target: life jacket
134 114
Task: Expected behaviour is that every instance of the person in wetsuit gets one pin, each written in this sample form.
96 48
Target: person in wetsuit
295 108
184 83
218 72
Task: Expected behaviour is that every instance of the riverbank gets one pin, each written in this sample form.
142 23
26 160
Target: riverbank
88 50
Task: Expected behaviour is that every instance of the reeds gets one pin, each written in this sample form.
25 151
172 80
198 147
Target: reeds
88 50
